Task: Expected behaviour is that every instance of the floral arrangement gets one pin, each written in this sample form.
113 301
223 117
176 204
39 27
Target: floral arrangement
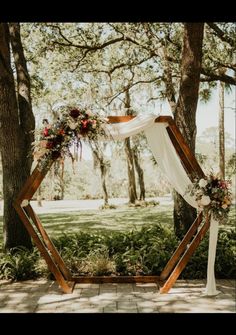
55 140
213 194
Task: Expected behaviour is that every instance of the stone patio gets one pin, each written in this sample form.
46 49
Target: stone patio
44 296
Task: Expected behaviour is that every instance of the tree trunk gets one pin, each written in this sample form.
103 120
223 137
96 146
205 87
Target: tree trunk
16 167
27 120
129 155
99 160
131 172
103 177
167 78
140 174
221 131
185 113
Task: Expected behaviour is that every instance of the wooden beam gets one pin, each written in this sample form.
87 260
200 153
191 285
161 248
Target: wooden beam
181 248
116 279
185 258
55 254
126 118
32 183
118 119
44 252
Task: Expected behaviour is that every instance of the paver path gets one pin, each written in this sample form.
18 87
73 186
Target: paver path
44 296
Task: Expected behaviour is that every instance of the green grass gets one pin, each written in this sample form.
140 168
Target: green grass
120 219
108 220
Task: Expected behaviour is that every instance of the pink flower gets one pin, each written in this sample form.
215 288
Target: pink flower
45 132
84 124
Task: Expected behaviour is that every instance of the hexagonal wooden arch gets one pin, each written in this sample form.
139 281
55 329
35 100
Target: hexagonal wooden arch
55 263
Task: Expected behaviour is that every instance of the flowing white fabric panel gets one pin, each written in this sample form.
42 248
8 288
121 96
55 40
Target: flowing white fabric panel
170 164
168 160
211 283
119 131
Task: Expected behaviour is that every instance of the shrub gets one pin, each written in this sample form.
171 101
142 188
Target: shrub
136 252
19 264
98 263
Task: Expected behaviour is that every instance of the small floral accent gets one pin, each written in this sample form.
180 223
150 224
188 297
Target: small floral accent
55 140
213 194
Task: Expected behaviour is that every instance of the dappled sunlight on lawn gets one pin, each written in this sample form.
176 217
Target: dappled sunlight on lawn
120 219
110 219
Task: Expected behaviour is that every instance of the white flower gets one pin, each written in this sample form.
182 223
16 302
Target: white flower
72 125
199 192
202 182
205 200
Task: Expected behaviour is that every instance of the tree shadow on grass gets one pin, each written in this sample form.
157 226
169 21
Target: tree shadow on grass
108 220
120 219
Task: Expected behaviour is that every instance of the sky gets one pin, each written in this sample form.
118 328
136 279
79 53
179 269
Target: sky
207 114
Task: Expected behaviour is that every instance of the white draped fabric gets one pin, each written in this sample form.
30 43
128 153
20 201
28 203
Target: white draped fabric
211 282
171 166
119 131
168 160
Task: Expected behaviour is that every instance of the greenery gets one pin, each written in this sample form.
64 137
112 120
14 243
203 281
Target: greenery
142 247
19 264
214 195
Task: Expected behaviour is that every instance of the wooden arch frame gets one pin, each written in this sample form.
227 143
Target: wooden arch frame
55 263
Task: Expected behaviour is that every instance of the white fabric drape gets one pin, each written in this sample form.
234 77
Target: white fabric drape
170 164
119 131
168 160
211 282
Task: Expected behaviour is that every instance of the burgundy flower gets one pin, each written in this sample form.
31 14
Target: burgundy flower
74 113
50 144
58 139
56 154
214 182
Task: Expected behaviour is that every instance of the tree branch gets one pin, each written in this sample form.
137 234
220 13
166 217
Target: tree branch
221 34
210 76
91 47
132 85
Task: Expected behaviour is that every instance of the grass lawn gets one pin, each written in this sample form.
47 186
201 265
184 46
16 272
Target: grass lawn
120 219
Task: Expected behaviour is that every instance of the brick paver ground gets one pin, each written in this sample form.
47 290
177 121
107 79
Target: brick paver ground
44 296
